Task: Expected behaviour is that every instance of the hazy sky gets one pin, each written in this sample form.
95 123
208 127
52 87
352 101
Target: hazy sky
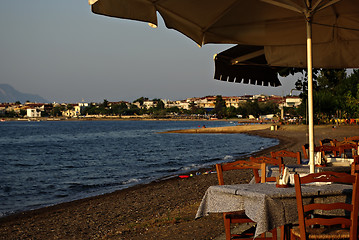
63 52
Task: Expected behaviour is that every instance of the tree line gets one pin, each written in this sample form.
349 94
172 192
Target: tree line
335 95
220 110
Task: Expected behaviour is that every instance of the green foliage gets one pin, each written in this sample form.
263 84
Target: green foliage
57 111
10 114
252 108
69 107
325 105
231 112
140 100
268 108
159 104
193 107
335 95
220 107
22 113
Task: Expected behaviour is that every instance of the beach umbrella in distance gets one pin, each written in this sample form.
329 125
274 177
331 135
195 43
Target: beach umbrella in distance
289 30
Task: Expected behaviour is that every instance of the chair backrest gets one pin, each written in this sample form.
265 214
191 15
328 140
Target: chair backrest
345 142
346 147
303 210
240 165
326 149
269 161
354 138
326 141
305 149
348 150
285 153
355 165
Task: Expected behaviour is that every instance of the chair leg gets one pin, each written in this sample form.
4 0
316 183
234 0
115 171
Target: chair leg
274 234
227 228
282 233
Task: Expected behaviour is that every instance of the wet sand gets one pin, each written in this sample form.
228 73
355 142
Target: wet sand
160 210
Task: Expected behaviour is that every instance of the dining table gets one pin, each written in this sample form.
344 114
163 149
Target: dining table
303 169
339 161
265 203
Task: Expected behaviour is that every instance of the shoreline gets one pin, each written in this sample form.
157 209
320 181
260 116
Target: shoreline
157 210
109 118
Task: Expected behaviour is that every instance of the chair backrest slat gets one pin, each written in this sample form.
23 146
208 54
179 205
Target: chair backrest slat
328 222
327 206
329 176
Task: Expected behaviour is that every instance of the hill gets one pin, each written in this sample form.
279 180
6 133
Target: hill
10 94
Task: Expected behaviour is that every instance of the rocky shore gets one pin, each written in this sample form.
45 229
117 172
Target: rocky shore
163 209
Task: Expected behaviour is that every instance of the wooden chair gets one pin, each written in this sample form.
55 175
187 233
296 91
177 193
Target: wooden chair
324 149
345 142
354 138
284 153
331 227
346 147
355 165
240 216
268 161
328 150
326 141
354 168
305 150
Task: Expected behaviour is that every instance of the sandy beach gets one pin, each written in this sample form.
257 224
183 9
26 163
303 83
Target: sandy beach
160 210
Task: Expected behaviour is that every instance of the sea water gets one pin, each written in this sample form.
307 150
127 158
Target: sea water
49 162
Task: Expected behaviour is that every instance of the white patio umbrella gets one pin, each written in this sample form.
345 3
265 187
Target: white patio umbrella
283 27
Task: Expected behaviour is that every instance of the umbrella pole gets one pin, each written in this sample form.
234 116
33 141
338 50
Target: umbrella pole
310 95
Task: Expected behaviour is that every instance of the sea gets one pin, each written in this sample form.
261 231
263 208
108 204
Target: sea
44 163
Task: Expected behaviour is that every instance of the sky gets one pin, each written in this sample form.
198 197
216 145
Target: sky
63 52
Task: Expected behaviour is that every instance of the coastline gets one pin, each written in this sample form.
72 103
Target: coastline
229 129
163 209
135 118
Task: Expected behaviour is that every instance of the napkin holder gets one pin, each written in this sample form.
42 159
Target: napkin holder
282 181
320 160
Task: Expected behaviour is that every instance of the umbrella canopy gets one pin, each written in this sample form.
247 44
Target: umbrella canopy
283 27
275 24
245 64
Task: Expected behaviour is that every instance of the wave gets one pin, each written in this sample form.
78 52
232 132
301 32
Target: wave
131 181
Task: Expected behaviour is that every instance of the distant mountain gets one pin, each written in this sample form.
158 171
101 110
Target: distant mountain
9 94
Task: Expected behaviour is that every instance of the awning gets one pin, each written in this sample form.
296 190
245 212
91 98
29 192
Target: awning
245 64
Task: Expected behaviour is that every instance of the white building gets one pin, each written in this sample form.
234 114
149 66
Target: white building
148 104
293 101
33 112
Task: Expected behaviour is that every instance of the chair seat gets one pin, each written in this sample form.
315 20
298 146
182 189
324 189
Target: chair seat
236 215
323 233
